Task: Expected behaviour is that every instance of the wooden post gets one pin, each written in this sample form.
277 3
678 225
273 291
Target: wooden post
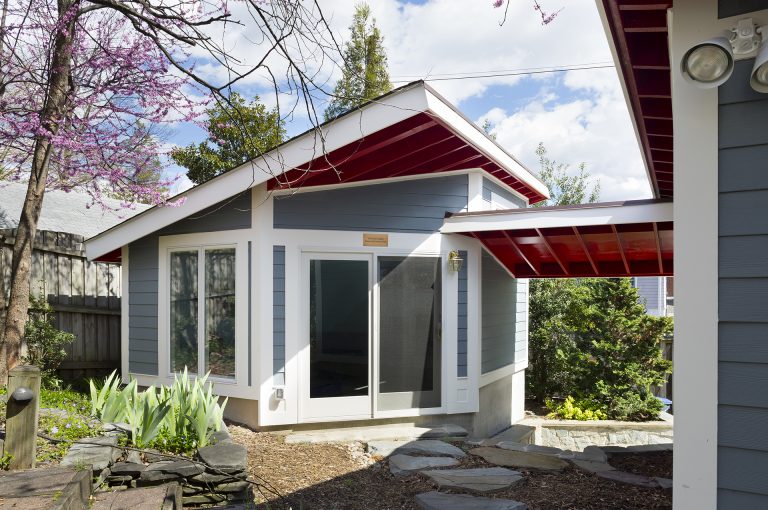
21 417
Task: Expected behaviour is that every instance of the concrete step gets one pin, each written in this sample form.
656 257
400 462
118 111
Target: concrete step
374 433
162 497
519 433
58 488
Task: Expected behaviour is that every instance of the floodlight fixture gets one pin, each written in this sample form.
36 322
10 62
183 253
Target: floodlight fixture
708 64
758 79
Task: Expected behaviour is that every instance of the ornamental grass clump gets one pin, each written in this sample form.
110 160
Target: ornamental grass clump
176 418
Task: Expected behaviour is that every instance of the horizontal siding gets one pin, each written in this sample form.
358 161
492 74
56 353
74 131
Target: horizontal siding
742 470
490 188
650 294
461 333
499 316
408 206
142 306
278 315
233 213
743 292
728 8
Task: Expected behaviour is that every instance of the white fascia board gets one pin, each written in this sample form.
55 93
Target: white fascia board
475 137
378 115
532 218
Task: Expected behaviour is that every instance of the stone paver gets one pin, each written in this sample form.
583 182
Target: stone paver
163 497
531 448
419 447
476 479
98 452
520 459
664 483
376 433
630 478
127 469
440 501
402 465
226 457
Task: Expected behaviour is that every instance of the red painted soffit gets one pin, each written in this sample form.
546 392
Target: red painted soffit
419 145
640 35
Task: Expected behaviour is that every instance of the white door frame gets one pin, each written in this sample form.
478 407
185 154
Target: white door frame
331 408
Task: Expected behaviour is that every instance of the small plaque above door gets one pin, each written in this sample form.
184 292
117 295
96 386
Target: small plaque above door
376 240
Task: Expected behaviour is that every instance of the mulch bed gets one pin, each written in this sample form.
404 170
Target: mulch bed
341 476
648 464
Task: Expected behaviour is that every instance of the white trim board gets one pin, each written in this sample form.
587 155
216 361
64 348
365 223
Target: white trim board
599 214
389 110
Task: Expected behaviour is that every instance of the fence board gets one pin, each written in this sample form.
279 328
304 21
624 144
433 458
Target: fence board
85 296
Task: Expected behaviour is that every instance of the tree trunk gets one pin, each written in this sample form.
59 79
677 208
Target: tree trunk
50 117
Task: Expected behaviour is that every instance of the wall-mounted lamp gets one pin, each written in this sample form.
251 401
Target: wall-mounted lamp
709 64
455 262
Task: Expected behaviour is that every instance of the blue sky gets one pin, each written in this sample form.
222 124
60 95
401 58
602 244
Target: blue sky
580 116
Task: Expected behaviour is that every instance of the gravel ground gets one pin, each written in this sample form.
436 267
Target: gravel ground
343 476
648 464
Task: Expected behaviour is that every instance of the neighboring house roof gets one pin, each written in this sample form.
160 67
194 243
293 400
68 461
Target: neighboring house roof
611 239
638 34
62 211
409 131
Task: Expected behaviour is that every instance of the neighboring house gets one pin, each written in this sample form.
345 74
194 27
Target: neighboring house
656 294
315 284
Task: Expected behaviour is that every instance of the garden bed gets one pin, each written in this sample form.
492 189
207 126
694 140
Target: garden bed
648 463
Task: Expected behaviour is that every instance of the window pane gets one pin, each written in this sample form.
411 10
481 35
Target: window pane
338 328
409 330
184 301
220 312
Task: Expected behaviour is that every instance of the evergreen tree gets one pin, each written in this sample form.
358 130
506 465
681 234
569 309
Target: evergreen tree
237 133
365 74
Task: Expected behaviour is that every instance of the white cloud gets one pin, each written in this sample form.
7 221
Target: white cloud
593 128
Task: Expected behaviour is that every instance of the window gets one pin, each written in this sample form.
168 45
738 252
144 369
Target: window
202 306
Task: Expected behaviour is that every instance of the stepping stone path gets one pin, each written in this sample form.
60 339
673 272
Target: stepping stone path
418 447
403 465
520 459
477 479
440 501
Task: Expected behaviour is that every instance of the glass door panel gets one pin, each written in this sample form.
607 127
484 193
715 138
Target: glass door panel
339 335
409 332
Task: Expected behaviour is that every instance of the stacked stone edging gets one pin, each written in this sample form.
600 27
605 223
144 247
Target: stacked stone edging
217 474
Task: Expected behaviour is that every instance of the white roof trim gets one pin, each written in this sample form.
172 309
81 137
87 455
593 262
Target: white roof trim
379 114
600 214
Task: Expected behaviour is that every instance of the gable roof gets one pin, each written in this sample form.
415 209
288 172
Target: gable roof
409 131
71 212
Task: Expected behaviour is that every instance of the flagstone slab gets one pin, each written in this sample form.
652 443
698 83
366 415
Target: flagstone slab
419 447
475 479
440 501
528 460
402 465
593 466
630 478
530 448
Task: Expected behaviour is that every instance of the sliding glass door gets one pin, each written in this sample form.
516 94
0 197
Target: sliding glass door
409 350
337 357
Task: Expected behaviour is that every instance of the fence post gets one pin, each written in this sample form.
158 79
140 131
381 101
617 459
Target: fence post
21 415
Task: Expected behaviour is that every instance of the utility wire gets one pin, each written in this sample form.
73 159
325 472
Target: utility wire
511 73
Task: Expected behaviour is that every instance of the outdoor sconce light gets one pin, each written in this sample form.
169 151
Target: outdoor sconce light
709 64
455 262
22 394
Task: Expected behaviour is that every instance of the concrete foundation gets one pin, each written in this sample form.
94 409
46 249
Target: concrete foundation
502 403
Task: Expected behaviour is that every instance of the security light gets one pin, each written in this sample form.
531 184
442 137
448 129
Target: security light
708 64
759 77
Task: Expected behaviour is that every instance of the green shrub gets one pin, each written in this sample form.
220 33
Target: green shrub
592 338
178 418
572 409
45 343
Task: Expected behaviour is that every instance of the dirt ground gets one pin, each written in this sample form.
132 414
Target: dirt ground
648 464
343 476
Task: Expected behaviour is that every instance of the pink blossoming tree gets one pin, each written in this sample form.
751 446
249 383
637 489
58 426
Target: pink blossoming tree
82 83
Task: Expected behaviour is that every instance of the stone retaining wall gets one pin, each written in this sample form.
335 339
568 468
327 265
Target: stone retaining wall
577 435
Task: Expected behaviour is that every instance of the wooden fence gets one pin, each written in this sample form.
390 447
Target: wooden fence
84 294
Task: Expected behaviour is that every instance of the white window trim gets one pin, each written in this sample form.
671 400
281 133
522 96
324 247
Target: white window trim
167 244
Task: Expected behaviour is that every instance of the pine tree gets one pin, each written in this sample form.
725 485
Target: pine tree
365 74
237 133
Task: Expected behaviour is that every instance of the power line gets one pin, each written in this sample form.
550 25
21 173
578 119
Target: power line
511 73
513 70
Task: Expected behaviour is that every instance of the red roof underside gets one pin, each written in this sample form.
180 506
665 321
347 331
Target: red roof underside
636 249
639 31
418 145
